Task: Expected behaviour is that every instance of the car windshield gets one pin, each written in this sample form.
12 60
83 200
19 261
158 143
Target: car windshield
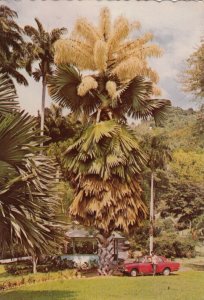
143 259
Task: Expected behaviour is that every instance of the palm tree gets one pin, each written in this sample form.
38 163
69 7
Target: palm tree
28 202
41 49
105 161
57 126
159 155
11 45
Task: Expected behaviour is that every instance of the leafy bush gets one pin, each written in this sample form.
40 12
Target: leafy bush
19 268
171 246
44 266
34 278
17 251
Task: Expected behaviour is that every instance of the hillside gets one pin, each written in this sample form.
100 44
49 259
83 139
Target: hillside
178 188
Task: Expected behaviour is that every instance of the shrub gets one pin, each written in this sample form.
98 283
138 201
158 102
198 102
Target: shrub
170 246
45 265
19 268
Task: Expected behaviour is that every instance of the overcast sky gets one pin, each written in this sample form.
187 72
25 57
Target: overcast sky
177 27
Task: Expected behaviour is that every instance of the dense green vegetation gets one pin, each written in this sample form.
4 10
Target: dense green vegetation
179 187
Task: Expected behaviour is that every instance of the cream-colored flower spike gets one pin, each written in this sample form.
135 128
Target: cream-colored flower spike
100 55
156 90
107 48
111 88
87 31
121 29
105 23
88 83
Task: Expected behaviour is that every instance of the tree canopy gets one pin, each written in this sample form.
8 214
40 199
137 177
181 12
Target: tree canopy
193 78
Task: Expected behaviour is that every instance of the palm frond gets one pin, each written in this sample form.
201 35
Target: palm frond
56 34
40 27
31 32
62 86
8 96
16 132
5 11
108 205
28 208
136 101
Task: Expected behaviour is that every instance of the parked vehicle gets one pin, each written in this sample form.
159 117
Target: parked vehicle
143 266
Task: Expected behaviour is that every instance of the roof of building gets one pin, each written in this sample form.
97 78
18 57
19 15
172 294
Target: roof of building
74 232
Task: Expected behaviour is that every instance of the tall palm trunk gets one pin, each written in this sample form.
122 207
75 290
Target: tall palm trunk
151 235
42 120
106 254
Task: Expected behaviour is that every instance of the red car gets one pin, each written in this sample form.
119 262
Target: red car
143 266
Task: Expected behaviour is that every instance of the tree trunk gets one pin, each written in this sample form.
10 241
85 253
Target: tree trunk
34 260
106 254
151 232
42 119
98 115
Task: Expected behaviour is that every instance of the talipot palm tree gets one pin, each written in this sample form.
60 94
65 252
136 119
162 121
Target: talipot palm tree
40 50
159 156
105 161
28 202
11 45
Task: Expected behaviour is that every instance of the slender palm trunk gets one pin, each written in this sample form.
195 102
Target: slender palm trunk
34 261
42 120
106 254
151 236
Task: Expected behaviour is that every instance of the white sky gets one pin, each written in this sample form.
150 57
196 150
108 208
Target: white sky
177 26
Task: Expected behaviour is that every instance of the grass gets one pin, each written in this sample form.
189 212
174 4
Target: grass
181 286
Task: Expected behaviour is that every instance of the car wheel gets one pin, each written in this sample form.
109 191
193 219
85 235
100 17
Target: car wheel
166 271
134 273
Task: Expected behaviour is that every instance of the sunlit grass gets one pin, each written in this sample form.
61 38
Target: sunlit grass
181 286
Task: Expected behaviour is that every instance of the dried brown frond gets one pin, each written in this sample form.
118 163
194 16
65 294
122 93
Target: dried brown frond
88 83
105 23
109 205
100 55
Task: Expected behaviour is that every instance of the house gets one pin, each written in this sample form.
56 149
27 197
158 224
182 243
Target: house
81 245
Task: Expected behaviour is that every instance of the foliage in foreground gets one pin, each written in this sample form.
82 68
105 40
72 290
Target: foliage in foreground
28 201
11 45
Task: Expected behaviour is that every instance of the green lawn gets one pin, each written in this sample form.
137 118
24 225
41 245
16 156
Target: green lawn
182 286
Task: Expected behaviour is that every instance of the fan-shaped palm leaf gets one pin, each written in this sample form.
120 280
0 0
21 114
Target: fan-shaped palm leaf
17 137
8 96
28 208
136 101
62 86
